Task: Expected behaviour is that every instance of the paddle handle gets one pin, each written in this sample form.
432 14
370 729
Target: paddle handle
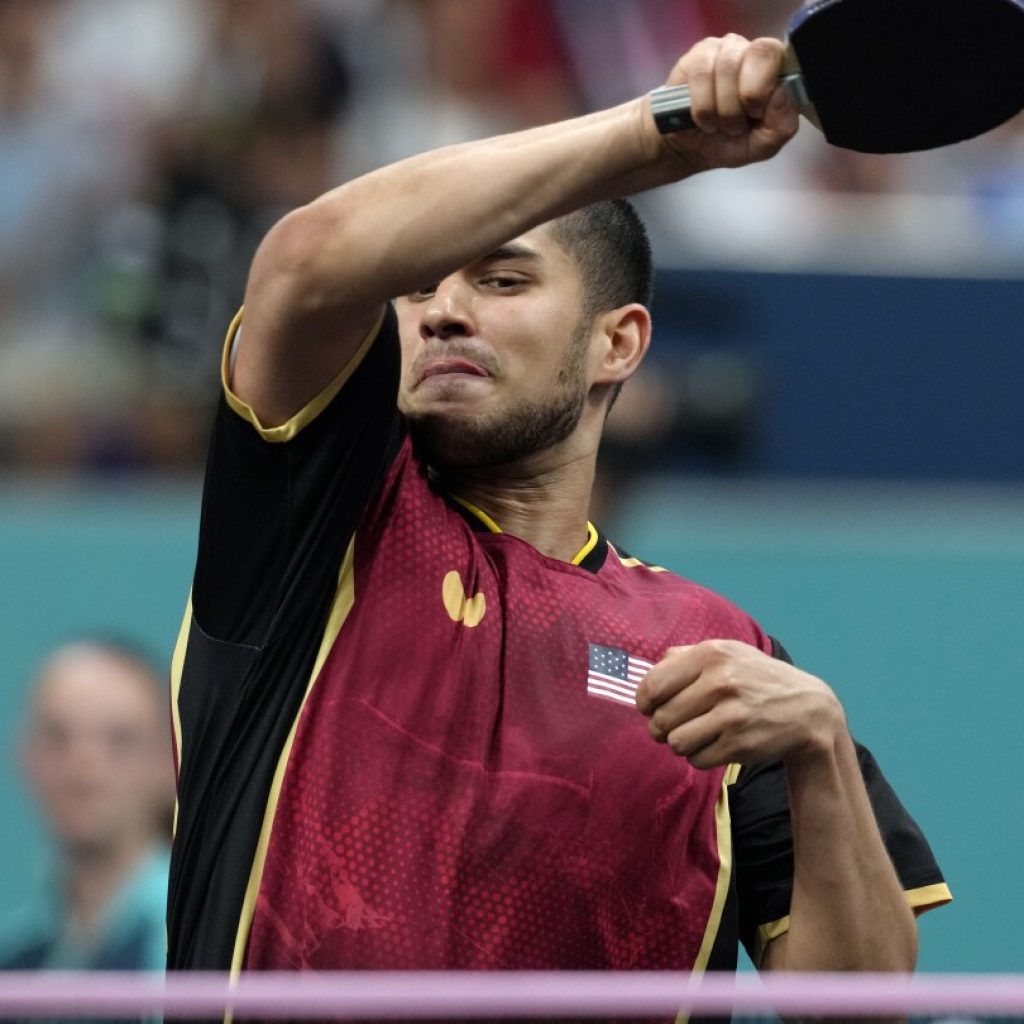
671 103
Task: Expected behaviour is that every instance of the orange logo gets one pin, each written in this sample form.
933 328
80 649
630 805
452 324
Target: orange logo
467 610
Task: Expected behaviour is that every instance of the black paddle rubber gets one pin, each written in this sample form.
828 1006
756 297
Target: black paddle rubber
894 76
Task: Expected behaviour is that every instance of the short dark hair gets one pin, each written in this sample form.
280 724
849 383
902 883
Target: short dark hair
609 242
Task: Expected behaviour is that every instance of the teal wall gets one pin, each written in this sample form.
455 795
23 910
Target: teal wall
74 561
909 602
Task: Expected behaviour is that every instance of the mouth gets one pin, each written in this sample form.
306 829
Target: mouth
452 367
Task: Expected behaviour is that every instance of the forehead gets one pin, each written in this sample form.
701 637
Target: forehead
88 686
538 248
540 244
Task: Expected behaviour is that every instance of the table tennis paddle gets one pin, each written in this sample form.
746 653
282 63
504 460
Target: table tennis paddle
895 76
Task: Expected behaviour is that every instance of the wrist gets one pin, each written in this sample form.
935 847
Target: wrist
670 153
825 736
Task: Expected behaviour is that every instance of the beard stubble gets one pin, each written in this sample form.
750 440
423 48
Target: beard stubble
447 442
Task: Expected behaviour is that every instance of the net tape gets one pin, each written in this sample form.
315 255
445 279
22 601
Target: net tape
382 995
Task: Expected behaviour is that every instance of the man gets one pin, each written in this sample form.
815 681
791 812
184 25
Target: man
407 684
98 762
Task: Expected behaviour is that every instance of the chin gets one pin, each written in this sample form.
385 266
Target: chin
464 439
453 439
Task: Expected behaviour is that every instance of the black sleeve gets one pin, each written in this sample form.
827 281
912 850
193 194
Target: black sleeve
279 510
277 515
763 841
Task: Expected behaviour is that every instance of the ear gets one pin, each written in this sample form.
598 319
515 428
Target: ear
625 335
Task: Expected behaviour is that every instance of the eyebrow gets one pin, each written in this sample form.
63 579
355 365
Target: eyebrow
512 251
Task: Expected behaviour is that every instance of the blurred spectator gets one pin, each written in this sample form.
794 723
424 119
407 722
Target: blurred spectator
644 38
97 758
255 138
692 410
211 141
81 82
511 58
429 73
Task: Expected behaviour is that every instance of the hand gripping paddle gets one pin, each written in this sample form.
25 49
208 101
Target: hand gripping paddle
894 76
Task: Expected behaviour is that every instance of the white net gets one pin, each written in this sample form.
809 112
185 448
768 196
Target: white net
636 996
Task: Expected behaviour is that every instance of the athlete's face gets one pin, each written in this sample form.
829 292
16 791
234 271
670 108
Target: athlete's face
495 356
96 753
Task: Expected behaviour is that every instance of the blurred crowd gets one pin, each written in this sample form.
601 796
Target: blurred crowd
146 145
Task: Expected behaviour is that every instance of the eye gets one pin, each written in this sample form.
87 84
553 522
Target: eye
54 738
423 293
122 740
503 282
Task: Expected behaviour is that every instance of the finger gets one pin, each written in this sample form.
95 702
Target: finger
674 672
685 706
722 735
700 77
692 738
732 118
781 119
759 74
713 755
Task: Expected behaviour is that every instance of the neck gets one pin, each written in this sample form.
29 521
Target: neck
545 506
93 877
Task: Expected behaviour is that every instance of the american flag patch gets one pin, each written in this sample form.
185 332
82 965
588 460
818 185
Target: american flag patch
615 674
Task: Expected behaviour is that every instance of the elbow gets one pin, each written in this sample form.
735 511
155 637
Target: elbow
907 953
299 256
885 949
895 947
873 946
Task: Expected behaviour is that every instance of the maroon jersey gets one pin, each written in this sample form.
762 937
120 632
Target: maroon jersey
407 740
465 798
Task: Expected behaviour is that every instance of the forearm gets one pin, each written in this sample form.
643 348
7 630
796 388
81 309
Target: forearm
413 222
848 910
323 273
391 231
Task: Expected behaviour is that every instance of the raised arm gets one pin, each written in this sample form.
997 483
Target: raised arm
722 702
322 274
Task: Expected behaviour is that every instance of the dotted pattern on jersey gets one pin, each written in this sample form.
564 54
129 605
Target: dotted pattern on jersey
455 798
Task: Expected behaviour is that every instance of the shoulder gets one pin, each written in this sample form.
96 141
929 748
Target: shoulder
368 376
698 611
702 613
148 886
143 893
135 927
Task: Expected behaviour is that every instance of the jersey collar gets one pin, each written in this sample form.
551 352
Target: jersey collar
589 557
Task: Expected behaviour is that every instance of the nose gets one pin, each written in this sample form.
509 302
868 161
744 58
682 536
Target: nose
447 313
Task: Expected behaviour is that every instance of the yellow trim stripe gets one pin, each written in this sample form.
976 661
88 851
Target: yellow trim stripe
921 899
927 897
344 599
765 934
479 513
592 534
635 563
177 668
723 830
287 430
589 546
723 836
